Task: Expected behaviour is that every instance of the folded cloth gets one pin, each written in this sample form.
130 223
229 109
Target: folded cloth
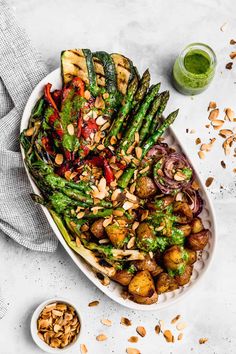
21 69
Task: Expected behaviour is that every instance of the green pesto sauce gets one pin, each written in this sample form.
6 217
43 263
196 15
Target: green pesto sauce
187 172
197 62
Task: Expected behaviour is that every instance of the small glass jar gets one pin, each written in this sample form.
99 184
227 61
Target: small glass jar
194 69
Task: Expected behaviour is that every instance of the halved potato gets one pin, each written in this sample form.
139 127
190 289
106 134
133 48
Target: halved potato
142 284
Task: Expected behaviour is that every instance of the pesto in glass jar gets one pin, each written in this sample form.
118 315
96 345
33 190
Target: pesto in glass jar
194 69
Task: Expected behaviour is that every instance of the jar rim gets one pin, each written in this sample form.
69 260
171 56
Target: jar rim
201 46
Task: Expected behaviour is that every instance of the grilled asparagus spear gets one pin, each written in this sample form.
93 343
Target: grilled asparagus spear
164 99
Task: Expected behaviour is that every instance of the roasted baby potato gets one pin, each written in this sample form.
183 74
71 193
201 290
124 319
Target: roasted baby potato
148 264
173 257
197 225
163 283
123 277
186 229
192 256
198 241
183 212
173 284
145 300
145 187
145 236
142 284
184 278
98 229
117 234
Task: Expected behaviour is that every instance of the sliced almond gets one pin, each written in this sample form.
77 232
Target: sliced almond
105 126
206 147
71 129
229 65
157 329
107 221
213 115
83 349
118 212
57 313
106 322
225 132
168 336
203 340
118 174
230 115
217 123
136 137
125 321
131 196
93 303
232 55
100 120
180 326
99 102
141 331
101 337
59 159
209 181
80 215
192 131
104 241
198 141
105 95
131 243
115 194
133 339
135 225
161 322
201 155
180 336
87 95
212 105
144 170
29 132
175 319
132 188
179 176
100 147
138 152
113 140
132 351
144 215
128 205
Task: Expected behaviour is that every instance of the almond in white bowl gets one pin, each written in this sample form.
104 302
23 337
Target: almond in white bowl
56 325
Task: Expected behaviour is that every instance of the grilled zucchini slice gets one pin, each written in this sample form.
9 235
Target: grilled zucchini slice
109 70
99 71
125 71
73 64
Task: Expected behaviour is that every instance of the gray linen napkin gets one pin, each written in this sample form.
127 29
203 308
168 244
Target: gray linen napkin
21 69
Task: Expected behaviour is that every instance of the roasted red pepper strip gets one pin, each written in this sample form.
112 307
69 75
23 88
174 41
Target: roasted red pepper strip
79 125
108 172
89 127
48 96
96 161
78 83
120 165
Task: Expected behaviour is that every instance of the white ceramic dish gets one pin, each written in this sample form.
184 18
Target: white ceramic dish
113 290
34 332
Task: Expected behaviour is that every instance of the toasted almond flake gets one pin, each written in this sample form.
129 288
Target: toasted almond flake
132 188
136 137
56 328
95 114
175 319
135 225
232 42
101 337
212 105
141 331
131 243
213 114
100 120
229 65
100 147
144 214
198 141
157 329
179 197
133 339
232 55
129 150
59 159
201 155
225 132
209 181
41 336
97 137
131 197
217 123
80 215
138 152
207 125
71 129
159 228
57 313
181 325
179 176
125 321
234 170
115 194
87 95
106 322
132 351
107 221
73 175
205 147
195 185
118 174
104 241
78 242
144 169
118 212
168 336
229 114
161 323
203 340
29 132
113 184
128 205
105 95
105 126
67 175
113 140
223 164
99 102
83 349
180 336
192 131
93 303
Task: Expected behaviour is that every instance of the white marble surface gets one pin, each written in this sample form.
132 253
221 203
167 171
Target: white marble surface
151 33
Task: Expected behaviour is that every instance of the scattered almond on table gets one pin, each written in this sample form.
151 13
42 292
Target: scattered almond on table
125 321
203 340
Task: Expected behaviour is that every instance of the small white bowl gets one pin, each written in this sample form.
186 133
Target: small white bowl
34 330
